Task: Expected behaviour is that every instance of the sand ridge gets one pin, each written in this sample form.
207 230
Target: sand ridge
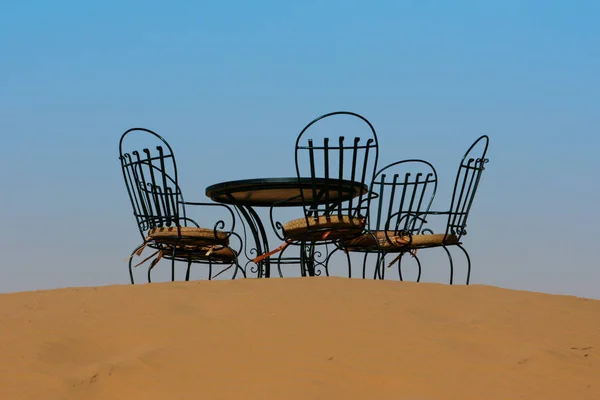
298 338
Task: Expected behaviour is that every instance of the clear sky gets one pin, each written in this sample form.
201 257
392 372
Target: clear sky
230 84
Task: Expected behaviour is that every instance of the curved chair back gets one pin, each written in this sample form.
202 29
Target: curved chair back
402 194
338 147
469 173
150 174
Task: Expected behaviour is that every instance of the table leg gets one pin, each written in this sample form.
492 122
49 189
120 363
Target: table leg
308 262
266 263
261 242
309 259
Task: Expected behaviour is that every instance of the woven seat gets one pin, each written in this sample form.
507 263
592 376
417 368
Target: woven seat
323 228
189 236
216 253
392 242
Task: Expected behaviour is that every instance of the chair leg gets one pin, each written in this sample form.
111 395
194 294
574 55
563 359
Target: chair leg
379 266
131 261
349 265
189 269
173 265
468 262
210 268
400 267
238 266
419 265
235 271
451 264
329 258
364 266
378 272
154 263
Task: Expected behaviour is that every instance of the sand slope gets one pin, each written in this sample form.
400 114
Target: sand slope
315 338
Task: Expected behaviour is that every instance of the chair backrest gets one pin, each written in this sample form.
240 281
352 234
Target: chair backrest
150 174
342 146
469 173
402 195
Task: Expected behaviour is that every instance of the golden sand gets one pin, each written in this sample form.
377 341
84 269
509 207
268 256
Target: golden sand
305 338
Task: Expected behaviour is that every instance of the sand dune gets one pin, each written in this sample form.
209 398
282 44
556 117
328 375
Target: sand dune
311 338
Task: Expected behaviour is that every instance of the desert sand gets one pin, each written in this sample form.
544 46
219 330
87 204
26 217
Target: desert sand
305 338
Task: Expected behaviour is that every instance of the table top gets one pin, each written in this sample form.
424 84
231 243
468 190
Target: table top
266 192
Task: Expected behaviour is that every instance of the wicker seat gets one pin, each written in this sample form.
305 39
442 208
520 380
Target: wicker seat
215 253
321 228
398 243
188 235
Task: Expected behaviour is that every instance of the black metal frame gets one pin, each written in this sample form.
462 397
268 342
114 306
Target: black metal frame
151 180
317 156
401 194
466 184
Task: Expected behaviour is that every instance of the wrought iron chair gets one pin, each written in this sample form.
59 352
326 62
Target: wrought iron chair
159 208
335 168
467 181
466 184
401 195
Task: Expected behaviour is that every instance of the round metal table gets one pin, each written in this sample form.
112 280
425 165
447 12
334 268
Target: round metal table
279 192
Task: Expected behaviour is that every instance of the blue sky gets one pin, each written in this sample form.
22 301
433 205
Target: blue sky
231 84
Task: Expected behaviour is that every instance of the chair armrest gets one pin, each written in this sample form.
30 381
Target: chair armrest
276 225
220 224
